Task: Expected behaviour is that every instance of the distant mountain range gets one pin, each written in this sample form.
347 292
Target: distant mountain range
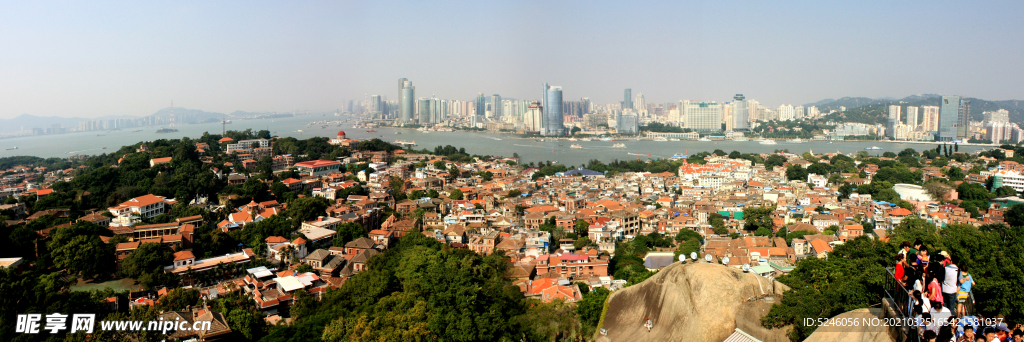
868 110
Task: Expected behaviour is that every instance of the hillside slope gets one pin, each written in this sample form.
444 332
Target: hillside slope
693 302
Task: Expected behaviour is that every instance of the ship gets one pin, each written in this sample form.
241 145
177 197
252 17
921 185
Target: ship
673 139
585 139
405 143
873 148
575 146
619 145
13 148
768 142
741 139
660 139
705 139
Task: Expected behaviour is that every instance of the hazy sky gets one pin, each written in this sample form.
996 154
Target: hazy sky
132 58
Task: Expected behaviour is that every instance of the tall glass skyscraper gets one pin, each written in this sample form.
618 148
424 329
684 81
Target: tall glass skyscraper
949 113
424 109
481 106
627 99
406 101
496 105
963 124
553 110
740 113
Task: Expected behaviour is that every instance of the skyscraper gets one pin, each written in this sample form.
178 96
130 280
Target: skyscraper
893 122
949 113
481 106
740 114
627 123
424 110
496 105
930 119
627 99
553 110
912 117
641 103
407 101
963 124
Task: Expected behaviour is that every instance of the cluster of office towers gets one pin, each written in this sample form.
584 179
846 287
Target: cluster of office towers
949 121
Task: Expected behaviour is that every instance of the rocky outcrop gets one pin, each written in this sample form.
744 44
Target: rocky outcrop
859 333
693 302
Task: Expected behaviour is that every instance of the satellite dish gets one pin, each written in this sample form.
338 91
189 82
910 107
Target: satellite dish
682 258
707 258
725 261
746 267
693 255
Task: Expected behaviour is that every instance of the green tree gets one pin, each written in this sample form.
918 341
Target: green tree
178 299
581 228
455 194
1004 191
759 217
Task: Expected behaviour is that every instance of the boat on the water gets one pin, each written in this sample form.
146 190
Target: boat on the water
619 145
15 148
575 146
873 148
768 142
660 139
705 139
796 141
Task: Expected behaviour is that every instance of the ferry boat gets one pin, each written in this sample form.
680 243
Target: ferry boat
619 145
405 143
873 148
768 142
607 139
13 148
704 139
673 139
660 139
572 139
575 146
585 139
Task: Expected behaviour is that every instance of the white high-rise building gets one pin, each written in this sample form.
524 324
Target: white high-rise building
813 112
640 104
1002 116
702 116
798 112
930 118
912 118
786 112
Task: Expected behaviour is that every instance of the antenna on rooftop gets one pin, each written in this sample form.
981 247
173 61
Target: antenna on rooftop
725 261
693 256
707 257
746 267
682 258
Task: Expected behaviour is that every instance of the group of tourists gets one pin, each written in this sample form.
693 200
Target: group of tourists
940 301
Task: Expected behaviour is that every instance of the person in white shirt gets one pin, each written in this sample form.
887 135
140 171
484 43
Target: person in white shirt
940 316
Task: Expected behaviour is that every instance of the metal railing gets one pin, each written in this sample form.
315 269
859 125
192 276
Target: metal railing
900 296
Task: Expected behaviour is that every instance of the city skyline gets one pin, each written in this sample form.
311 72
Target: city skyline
112 59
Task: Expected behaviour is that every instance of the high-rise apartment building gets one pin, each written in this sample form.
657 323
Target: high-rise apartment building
553 111
740 113
533 120
627 99
949 113
703 116
1002 116
912 117
786 112
930 118
798 112
640 104
894 120
813 112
